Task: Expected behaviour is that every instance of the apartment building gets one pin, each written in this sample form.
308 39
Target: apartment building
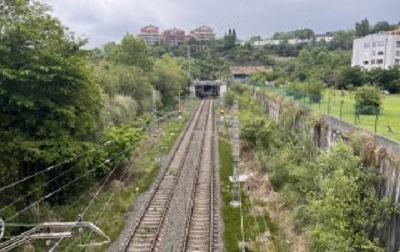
173 37
150 34
203 34
381 50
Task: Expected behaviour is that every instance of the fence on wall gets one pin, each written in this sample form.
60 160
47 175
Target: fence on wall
335 103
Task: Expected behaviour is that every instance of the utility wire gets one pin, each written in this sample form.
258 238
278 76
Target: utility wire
37 189
93 198
47 169
63 187
106 205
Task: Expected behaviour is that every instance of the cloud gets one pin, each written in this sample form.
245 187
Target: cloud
108 20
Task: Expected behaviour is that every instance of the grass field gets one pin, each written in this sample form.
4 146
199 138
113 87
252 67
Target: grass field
341 105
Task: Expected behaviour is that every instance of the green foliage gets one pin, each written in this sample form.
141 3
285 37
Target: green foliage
50 101
346 208
342 40
131 52
123 140
170 80
334 198
300 34
362 28
117 79
368 95
257 132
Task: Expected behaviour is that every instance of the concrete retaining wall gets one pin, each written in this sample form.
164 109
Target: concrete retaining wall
375 151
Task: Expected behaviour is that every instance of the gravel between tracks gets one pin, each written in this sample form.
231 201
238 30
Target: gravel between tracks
141 200
175 223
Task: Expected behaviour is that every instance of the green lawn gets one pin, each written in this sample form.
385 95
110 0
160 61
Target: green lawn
388 123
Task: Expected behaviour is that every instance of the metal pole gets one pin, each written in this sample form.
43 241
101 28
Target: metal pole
329 105
156 132
341 109
188 54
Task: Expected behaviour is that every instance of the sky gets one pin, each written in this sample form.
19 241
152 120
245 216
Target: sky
103 21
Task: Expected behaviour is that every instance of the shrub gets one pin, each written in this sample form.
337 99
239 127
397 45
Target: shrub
368 100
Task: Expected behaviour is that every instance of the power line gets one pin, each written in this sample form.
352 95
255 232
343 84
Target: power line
37 188
106 205
91 201
63 187
47 169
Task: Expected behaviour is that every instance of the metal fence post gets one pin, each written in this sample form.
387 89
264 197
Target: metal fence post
329 105
341 109
376 119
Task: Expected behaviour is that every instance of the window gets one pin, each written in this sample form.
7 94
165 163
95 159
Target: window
366 62
374 44
398 44
379 62
381 43
380 53
397 53
366 44
372 62
397 62
373 53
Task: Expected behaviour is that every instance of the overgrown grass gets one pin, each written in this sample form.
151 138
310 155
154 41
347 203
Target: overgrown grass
145 169
253 225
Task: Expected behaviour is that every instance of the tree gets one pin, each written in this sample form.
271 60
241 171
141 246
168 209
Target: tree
368 99
387 79
131 52
169 80
353 76
343 211
382 26
362 28
342 40
49 98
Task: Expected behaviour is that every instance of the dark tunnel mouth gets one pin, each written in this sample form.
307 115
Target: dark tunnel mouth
207 91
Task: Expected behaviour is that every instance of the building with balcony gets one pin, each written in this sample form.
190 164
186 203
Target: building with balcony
381 50
173 37
150 34
203 34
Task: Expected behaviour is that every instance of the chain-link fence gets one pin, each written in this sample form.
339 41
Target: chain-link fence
335 103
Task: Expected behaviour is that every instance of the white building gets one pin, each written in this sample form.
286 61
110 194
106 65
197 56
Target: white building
297 41
266 42
377 50
325 38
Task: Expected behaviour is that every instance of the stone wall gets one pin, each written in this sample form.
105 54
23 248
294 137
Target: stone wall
374 150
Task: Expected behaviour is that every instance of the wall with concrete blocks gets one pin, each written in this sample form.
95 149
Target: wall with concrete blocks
374 151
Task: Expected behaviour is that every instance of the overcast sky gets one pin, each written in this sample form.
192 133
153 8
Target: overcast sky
108 20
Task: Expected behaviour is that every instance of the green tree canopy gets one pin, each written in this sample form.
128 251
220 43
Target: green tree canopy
49 98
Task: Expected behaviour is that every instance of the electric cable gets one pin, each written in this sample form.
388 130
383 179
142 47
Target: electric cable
62 187
48 169
93 199
106 205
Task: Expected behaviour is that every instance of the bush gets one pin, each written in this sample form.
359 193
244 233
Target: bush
314 89
368 100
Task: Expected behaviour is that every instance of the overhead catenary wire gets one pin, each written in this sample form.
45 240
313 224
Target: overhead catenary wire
47 169
38 188
92 200
106 205
62 187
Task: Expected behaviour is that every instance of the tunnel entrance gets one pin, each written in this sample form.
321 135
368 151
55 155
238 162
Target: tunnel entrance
207 89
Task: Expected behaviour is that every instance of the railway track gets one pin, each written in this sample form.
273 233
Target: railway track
201 233
146 232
